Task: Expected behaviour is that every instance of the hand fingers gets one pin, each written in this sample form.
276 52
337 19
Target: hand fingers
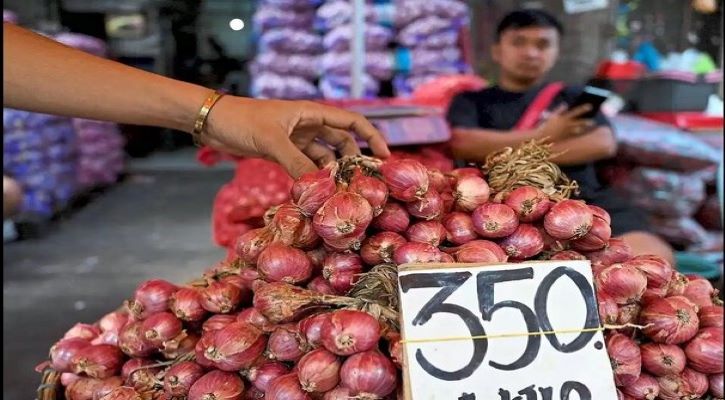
582 126
559 109
319 153
342 119
340 140
292 159
578 111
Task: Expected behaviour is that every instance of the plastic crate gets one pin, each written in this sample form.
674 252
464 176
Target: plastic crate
675 91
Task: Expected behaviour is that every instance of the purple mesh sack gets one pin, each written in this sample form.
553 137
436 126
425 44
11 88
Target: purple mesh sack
339 86
666 193
411 10
339 12
376 38
269 85
288 40
418 32
378 64
680 231
270 17
306 66
294 4
658 145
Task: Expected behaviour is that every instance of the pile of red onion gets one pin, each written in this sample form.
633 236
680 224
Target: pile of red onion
229 336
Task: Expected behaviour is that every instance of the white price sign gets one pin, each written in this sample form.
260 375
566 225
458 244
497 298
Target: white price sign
527 331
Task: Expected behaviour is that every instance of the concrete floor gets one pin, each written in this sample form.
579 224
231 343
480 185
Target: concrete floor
156 224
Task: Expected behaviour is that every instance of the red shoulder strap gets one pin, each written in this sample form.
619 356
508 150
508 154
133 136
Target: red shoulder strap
539 105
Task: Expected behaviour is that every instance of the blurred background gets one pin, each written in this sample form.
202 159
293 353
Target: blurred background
105 206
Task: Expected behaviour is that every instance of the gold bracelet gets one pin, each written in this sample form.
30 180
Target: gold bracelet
200 122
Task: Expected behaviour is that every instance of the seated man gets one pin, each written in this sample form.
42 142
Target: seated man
526 48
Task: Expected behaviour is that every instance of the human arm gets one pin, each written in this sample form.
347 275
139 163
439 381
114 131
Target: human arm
595 145
44 76
475 144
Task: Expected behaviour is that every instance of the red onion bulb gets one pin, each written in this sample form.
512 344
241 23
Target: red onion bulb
372 189
493 220
348 332
568 220
217 385
369 375
470 192
459 228
319 371
671 320
180 377
525 242
342 220
529 203
262 375
662 359
705 351
393 218
281 263
286 387
381 247
407 179
626 359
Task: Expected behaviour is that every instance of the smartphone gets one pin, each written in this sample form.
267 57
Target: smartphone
593 96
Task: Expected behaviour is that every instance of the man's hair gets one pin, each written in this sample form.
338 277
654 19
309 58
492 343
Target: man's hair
528 18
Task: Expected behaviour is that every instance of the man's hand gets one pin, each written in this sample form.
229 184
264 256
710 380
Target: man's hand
564 123
296 134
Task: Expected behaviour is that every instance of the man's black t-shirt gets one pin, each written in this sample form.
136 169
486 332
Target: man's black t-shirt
498 109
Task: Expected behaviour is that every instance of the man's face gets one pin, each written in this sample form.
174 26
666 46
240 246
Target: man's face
527 53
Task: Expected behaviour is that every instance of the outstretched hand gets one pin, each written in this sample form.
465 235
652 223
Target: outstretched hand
297 134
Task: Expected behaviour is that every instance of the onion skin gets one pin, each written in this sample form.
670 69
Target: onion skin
121 393
319 371
286 387
234 347
568 220
608 309
63 352
428 208
406 179
311 328
567 255
470 192
342 220
312 189
286 343
672 320
98 361
493 220
217 385
372 189
381 247
218 321
705 351
281 263
673 387
220 297
644 388
480 251
662 359
180 377
716 385
262 375
414 252
625 357
369 375
677 285
615 252
596 239
347 332
697 383
150 297
624 284
250 244
338 393
186 305
529 203
711 316
131 341
82 331
658 271
431 232
393 218
160 328
459 228
700 292
525 242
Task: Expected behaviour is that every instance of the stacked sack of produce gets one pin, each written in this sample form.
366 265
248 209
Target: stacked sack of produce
334 20
39 151
308 307
287 61
428 36
240 204
100 152
100 144
667 173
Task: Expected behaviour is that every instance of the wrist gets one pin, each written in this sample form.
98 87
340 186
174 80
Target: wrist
184 103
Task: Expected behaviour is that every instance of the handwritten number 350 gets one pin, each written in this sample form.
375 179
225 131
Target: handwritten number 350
536 320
